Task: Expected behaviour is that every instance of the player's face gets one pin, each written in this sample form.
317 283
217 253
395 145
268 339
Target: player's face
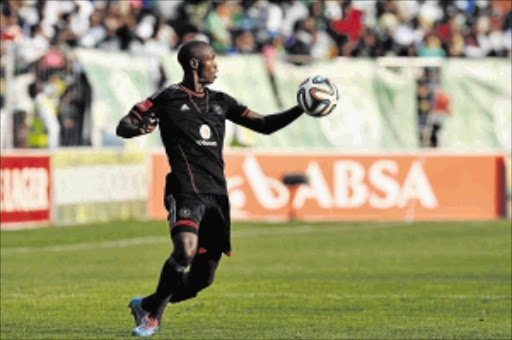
207 66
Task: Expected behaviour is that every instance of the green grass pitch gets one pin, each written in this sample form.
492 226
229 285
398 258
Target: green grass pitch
284 281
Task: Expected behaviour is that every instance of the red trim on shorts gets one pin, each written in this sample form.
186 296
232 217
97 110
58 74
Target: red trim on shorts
230 254
185 222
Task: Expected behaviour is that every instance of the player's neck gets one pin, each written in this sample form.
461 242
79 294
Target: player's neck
191 82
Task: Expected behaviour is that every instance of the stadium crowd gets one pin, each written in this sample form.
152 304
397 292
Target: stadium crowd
44 34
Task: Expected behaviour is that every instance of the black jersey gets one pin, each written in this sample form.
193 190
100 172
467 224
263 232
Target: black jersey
192 128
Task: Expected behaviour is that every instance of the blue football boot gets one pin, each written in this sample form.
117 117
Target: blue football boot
138 313
148 327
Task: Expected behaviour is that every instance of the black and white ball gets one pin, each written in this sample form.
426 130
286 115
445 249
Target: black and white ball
317 96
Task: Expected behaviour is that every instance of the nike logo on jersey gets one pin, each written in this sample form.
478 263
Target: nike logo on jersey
184 107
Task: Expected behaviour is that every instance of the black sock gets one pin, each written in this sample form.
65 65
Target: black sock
200 276
170 278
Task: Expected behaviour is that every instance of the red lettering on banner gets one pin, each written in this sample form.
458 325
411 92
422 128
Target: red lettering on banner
24 189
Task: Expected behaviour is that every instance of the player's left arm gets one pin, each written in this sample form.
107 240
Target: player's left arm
267 124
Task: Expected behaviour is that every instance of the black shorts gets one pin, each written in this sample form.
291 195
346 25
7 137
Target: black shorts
204 214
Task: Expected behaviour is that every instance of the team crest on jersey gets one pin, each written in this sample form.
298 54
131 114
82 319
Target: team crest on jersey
184 213
205 131
217 109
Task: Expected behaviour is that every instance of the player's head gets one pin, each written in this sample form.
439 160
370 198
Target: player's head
198 56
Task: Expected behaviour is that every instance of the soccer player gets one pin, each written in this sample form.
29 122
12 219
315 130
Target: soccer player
191 118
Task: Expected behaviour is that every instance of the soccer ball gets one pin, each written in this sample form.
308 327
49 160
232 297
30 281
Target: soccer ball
317 96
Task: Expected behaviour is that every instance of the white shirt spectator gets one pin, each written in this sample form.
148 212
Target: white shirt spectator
93 37
274 15
429 12
293 13
80 21
169 9
403 34
322 45
333 10
369 9
31 49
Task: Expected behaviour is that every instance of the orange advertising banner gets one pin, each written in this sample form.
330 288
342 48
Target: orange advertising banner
355 187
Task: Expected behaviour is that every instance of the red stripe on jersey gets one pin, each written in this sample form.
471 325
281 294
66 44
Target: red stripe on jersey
245 112
192 181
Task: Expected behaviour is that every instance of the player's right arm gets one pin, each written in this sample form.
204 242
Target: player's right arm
139 121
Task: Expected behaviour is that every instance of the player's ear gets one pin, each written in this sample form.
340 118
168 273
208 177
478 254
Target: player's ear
194 64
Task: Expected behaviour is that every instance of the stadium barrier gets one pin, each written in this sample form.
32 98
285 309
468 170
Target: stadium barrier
88 185
72 186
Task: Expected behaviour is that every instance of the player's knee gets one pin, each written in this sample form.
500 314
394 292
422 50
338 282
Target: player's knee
183 258
185 248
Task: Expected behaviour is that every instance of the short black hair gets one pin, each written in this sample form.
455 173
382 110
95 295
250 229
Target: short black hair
190 50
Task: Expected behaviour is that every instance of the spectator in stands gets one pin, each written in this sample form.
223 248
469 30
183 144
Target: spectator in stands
368 46
218 25
69 114
44 127
153 39
112 22
244 42
293 11
32 47
370 28
44 31
431 46
97 31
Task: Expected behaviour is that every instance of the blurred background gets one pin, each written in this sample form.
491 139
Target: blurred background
422 129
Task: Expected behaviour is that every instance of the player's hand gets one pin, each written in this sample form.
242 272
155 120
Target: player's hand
148 123
147 119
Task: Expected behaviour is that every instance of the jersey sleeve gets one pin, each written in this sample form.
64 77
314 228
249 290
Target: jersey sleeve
234 109
156 101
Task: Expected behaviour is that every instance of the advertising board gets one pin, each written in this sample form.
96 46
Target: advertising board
25 186
99 185
356 187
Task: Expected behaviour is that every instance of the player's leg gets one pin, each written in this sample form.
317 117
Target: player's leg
172 273
200 276
184 233
214 239
151 308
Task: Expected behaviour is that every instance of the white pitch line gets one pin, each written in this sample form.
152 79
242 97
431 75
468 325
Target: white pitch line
86 246
153 240
363 296
276 295
252 232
